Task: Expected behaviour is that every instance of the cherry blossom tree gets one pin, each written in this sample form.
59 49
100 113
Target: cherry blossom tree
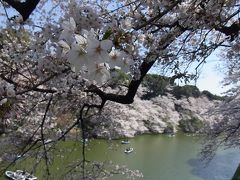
60 56
225 131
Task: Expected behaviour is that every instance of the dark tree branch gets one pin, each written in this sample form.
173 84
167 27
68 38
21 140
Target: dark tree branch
42 135
231 31
36 86
5 12
175 24
24 8
132 89
157 17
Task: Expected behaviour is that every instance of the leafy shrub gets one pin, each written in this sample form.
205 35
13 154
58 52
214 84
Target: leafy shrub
190 125
187 91
211 96
155 84
119 77
169 129
4 109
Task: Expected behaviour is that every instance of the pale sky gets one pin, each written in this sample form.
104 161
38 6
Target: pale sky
211 77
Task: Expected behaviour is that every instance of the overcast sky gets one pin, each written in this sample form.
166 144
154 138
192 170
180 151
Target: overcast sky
211 77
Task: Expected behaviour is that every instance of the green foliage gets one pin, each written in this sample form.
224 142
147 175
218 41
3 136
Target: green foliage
155 84
211 96
190 125
187 91
169 129
107 34
5 108
119 77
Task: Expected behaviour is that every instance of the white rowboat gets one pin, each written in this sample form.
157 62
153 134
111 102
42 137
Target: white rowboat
128 150
20 175
125 142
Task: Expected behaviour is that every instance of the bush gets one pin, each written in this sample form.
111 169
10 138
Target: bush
155 84
118 77
187 91
190 125
211 96
4 109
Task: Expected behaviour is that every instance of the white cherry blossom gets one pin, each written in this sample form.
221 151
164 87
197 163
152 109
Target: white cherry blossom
126 64
65 47
10 91
3 101
121 60
126 23
116 57
98 50
69 28
100 74
77 57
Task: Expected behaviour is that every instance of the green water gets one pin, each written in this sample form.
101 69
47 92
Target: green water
158 157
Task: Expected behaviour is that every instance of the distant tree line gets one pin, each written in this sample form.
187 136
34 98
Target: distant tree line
160 85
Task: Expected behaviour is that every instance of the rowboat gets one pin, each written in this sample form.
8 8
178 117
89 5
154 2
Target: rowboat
125 142
20 175
128 150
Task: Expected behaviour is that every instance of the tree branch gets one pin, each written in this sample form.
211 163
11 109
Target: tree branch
232 30
132 89
157 17
24 8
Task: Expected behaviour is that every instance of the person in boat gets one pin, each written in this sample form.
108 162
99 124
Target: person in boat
125 141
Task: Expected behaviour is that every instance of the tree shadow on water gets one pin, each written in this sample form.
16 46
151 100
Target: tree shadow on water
221 167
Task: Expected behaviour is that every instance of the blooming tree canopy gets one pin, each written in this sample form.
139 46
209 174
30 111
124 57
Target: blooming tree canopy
61 52
93 38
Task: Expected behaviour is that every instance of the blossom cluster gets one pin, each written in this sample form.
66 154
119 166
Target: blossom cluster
92 57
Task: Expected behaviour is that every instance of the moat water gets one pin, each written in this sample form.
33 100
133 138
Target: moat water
158 157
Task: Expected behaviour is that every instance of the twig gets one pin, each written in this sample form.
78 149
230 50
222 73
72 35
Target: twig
5 11
42 134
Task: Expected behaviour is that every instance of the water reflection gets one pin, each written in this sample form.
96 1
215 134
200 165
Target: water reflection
222 167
